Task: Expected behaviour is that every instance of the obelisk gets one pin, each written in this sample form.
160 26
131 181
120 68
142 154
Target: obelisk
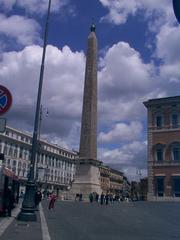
87 177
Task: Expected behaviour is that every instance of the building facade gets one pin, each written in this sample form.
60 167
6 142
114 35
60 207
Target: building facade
55 166
104 178
164 148
116 181
112 181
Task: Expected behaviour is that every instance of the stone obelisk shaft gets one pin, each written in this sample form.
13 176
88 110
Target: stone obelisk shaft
88 141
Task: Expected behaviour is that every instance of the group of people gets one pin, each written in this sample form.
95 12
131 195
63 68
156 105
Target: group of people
51 196
104 198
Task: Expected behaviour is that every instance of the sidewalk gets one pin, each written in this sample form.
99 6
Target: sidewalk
18 230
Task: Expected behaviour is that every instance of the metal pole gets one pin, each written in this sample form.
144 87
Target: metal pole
28 206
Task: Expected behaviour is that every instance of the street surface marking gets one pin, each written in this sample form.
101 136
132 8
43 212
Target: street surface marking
44 227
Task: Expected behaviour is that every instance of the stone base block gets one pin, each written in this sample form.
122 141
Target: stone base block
87 180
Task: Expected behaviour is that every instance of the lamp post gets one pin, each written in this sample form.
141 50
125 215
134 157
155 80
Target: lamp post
176 7
39 135
27 212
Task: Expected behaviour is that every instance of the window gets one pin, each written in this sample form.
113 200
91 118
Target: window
174 120
5 148
159 152
176 186
176 153
159 121
160 186
15 151
10 150
21 152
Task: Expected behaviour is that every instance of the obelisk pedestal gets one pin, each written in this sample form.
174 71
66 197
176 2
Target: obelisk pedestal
87 177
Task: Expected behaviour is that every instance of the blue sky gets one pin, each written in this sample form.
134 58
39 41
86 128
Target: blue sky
138 59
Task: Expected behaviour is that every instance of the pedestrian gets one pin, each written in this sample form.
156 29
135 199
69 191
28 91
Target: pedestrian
80 197
9 201
102 198
53 198
38 197
106 199
91 197
97 197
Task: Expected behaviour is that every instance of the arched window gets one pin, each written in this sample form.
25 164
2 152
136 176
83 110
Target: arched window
174 120
159 152
159 120
175 151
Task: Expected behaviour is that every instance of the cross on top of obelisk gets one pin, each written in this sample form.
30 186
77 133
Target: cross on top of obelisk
93 27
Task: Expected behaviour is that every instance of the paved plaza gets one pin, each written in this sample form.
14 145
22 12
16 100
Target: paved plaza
119 221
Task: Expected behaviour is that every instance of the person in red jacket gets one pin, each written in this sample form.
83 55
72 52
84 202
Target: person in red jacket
53 198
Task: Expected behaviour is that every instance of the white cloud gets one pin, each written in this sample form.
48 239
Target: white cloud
124 82
62 89
167 44
128 157
34 6
119 11
124 70
122 132
25 31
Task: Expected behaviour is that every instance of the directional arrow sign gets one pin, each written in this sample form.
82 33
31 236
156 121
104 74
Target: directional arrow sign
5 99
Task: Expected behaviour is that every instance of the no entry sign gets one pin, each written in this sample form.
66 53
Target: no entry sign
5 99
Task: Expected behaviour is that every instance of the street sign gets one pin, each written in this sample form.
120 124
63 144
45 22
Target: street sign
5 99
2 125
176 7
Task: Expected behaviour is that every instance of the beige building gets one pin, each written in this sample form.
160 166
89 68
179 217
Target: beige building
164 148
116 181
105 178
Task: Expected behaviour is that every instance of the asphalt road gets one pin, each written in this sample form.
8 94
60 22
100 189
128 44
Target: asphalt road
119 221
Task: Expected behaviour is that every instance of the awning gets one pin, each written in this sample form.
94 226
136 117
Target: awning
7 172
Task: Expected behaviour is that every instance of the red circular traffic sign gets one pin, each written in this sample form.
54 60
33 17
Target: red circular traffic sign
5 99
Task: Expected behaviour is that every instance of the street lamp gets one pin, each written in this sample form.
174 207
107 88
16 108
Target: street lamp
28 206
39 135
176 7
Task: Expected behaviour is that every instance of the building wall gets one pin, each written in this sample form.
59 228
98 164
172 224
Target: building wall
105 178
116 181
112 181
163 148
55 165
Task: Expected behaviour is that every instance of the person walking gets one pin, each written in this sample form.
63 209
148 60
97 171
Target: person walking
91 197
9 198
106 199
102 198
97 197
38 198
53 198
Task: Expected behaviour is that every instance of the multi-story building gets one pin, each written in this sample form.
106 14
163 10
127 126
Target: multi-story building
113 181
55 166
104 178
163 148
116 181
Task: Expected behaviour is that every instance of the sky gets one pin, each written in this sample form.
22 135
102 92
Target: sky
138 59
